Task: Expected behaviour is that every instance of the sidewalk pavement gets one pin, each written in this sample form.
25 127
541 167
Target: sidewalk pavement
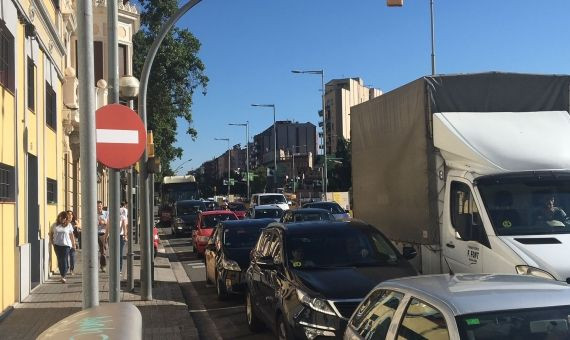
165 317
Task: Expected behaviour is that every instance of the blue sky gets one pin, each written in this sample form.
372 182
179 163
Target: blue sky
249 48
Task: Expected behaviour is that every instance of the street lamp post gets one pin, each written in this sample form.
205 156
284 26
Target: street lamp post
246 124
144 185
274 143
229 163
400 3
325 174
180 166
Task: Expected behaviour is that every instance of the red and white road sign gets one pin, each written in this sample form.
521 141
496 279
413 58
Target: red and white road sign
121 136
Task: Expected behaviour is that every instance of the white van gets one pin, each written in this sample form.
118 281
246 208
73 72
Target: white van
269 198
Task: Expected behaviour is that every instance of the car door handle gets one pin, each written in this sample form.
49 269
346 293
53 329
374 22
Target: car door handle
450 245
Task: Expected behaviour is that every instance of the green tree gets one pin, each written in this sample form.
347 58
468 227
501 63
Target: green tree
176 74
340 167
259 182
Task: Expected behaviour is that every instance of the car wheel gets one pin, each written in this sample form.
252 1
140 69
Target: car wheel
221 291
283 332
253 322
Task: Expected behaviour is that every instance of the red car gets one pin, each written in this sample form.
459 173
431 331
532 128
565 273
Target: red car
205 225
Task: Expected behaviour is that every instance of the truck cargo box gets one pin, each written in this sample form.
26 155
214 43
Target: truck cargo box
398 173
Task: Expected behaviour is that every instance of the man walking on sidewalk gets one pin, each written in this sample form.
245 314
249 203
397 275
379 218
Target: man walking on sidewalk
102 222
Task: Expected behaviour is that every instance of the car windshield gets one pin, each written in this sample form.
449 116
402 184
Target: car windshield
268 213
241 237
210 221
189 208
343 248
310 216
532 324
527 205
271 199
334 208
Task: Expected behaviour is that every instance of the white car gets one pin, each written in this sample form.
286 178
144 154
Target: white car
464 306
269 198
267 211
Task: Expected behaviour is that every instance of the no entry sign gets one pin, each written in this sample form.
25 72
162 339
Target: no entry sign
121 136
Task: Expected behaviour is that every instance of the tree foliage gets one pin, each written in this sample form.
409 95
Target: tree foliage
176 74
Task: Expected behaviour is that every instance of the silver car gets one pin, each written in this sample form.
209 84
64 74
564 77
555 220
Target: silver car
464 306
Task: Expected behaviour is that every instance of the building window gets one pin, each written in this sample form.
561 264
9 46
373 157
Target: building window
97 59
123 68
51 107
7 183
7 72
51 186
31 84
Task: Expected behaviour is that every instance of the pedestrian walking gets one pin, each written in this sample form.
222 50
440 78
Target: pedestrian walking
77 235
124 228
102 221
61 236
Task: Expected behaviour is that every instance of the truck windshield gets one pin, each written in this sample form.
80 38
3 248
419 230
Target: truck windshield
271 199
527 204
544 323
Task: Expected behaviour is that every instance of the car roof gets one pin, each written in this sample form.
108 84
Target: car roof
479 293
310 210
321 226
325 203
190 202
260 222
266 206
217 212
270 193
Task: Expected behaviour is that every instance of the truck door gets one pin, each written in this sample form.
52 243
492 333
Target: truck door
464 238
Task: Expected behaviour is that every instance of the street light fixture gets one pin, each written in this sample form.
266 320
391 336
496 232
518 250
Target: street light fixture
246 124
274 143
322 74
400 3
229 163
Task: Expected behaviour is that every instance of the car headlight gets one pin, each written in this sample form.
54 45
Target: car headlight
203 239
156 237
316 304
230 265
533 271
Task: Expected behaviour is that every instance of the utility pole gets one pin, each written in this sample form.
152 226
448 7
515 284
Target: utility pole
114 226
88 163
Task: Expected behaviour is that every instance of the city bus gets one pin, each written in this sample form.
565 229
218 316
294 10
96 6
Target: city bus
172 189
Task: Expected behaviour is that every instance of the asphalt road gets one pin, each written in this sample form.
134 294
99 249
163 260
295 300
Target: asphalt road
213 318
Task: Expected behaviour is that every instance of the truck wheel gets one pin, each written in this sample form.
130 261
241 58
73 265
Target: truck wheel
253 322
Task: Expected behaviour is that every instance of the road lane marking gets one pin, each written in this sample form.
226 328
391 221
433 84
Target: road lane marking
117 136
214 309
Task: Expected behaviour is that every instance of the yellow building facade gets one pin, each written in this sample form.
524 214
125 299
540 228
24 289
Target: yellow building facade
39 130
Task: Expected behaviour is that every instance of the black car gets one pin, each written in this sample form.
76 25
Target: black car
306 215
185 215
227 254
306 279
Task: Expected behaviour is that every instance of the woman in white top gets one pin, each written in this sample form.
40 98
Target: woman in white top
62 238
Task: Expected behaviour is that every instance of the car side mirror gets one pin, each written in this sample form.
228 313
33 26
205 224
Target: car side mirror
266 262
409 252
289 203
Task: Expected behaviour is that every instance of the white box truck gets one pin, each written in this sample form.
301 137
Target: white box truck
472 170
